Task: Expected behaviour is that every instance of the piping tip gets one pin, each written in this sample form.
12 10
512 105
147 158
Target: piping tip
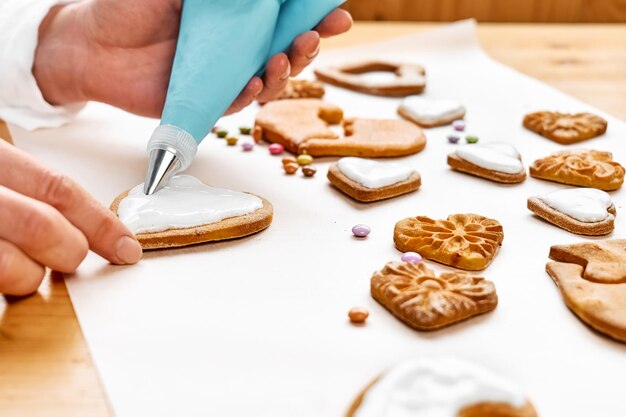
162 167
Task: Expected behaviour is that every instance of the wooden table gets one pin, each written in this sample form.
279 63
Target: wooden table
45 368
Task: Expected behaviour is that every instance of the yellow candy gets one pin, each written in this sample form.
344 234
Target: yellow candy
232 141
305 160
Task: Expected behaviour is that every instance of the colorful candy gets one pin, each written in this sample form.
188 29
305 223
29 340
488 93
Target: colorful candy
305 159
361 230
276 148
471 139
289 160
245 130
454 138
411 257
247 146
291 168
309 171
221 133
459 125
232 140
358 315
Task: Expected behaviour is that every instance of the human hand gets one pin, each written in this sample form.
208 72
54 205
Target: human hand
47 220
121 52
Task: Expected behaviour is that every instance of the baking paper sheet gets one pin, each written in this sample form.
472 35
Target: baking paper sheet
258 326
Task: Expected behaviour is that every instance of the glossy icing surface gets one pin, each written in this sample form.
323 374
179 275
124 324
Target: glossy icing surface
493 156
587 205
429 110
373 174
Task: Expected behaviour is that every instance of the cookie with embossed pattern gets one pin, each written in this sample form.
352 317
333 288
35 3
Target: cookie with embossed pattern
565 128
465 241
424 301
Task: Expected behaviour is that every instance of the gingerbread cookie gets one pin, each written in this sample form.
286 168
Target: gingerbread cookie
465 241
499 162
366 180
301 126
431 112
296 89
423 301
440 386
592 280
565 128
584 211
583 168
409 78
187 212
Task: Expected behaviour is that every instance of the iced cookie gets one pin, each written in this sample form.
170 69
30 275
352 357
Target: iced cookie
431 112
367 180
592 280
408 78
465 241
301 126
495 161
565 128
584 211
187 212
296 89
583 168
440 386
424 301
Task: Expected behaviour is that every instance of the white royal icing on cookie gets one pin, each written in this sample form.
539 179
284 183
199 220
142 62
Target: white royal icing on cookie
184 202
494 156
587 205
373 174
435 387
430 110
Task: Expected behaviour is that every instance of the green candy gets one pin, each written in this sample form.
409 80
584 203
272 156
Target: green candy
245 130
471 139
221 133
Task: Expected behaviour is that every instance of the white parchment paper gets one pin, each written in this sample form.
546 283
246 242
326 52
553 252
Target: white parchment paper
257 327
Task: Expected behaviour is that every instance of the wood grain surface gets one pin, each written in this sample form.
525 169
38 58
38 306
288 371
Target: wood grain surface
561 11
45 367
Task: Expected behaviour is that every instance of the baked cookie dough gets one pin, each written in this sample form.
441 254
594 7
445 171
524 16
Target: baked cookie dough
465 241
440 386
565 128
583 168
408 78
187 212
367 180
584 211
424 301
498 162
592 279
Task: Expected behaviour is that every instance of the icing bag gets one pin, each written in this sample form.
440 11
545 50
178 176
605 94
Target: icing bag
221 45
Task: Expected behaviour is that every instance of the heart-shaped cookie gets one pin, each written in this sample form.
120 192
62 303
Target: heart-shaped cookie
187 212
584 211
408 79
499 162
301 126
431 112
565 128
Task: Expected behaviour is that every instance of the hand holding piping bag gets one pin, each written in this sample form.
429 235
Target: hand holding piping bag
118 52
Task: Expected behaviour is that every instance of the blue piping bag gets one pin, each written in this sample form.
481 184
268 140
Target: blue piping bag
221 45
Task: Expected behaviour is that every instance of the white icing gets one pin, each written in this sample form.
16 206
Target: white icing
373 174
184 202
430 110
493 156
435 387
587 205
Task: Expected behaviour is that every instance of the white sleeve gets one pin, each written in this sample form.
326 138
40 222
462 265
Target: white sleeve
21 101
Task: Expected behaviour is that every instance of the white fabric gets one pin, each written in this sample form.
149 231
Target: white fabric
21 101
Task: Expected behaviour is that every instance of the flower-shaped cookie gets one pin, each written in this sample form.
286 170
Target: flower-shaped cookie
466 241
416 296
584 168
565 128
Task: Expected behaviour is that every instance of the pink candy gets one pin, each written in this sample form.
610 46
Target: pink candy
247 146
411 257
276 148
361 230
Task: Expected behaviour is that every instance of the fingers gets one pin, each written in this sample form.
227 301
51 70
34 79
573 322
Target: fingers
19 274
337 22
105 234
247 96
276 77
41 232
303 51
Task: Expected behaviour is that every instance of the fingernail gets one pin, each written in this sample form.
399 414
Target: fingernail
128 250
286 74
315 53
